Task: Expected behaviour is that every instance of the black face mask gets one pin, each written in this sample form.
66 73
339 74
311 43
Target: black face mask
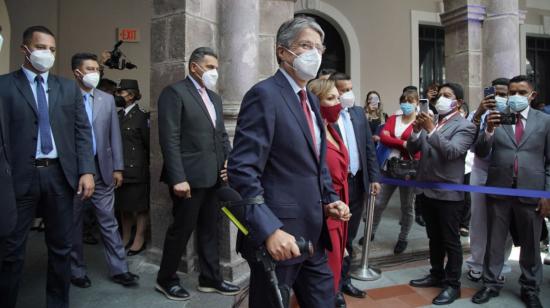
119 101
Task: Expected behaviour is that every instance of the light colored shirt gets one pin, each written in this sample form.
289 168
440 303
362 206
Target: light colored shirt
30 77
206 99
296 89
129 108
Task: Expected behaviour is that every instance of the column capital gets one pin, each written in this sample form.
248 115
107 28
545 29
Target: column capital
466 13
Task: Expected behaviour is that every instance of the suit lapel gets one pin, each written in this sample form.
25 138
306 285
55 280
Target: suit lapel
510 132
294 105
22 84
53 95
530 124
96 105
449 123
198 99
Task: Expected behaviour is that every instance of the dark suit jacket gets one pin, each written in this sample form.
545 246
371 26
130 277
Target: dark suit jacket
193 150
367 150
533 152
134 128
8 212
274 157
69 124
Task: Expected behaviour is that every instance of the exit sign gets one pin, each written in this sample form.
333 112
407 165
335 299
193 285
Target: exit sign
129 35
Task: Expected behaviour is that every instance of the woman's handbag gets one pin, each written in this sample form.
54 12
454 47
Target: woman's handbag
402 169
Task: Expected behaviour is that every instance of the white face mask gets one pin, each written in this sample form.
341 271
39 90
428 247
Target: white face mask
1 41
445 105
41 59
91 80
307 64
347 99
209 78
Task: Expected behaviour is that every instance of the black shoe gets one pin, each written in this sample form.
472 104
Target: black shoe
221 287
351 290
136 252
427 282
174 291
81 282
530 299
400 246
420 220
126 279
89 238
362 239
340 301
484 295
447 296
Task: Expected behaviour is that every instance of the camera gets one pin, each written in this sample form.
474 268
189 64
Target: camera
507 118
116 60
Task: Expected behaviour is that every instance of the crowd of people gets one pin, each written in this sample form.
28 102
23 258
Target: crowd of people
304 158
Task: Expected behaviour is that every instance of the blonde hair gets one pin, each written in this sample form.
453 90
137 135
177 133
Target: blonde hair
321 87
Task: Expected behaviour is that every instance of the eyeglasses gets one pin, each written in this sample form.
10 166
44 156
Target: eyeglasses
309 46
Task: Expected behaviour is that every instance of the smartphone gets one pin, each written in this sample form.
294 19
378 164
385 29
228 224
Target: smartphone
424 105
488 91
507 119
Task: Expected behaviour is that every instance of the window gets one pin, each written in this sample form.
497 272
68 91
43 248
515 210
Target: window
538 66
431 55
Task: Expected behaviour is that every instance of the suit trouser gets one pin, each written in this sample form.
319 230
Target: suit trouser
311 281
478 225
407 212
442 225
356 206
200 212
103 201
50 191
501 214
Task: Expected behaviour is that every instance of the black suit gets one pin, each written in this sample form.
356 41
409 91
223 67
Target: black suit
194 151
360 183
8 212
50 188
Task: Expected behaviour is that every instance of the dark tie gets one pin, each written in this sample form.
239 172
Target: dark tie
303 102
46 143
519 134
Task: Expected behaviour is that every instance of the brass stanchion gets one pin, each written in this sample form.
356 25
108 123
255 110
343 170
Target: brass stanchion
363 271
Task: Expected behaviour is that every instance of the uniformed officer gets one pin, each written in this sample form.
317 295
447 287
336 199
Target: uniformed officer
132 198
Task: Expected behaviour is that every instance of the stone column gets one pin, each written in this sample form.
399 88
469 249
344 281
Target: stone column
238 28
501 41
462 20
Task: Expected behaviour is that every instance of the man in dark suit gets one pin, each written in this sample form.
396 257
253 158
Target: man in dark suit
520 158
51 155
363 175
443 145
195 147
8 210
279 158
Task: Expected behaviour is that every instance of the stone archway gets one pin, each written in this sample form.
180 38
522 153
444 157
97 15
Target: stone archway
347 33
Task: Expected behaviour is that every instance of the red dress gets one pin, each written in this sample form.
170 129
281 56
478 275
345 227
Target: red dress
338 163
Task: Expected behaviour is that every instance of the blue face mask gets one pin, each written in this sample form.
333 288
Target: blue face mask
502 103
518 103
407 108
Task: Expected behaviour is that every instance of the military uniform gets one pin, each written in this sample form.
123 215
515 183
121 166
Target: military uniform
133 195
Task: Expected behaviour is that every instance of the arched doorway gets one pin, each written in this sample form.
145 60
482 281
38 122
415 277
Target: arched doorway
335 54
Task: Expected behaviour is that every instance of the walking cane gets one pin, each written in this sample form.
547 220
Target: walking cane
363 271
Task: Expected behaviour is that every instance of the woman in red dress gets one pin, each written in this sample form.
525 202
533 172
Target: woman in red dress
337 160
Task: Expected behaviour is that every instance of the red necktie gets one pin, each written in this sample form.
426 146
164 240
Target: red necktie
518 134
303 102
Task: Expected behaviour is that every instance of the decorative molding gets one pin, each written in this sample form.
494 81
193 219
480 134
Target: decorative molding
538 4
522 14
466 13
546 24
419 18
